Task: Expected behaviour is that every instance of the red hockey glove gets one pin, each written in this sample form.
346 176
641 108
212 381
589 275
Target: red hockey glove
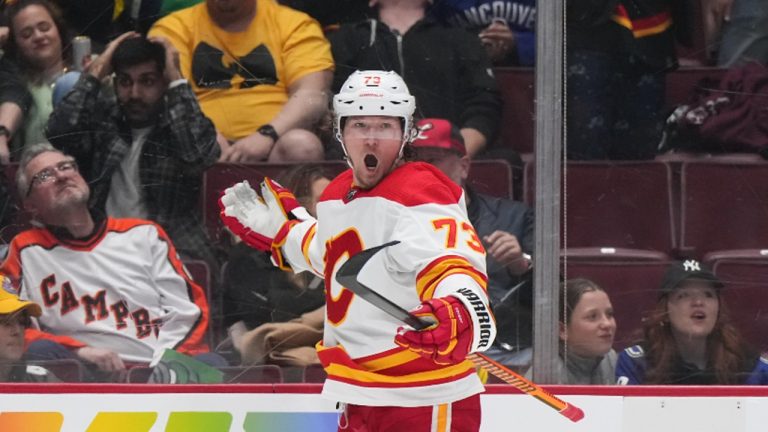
257 220
446 342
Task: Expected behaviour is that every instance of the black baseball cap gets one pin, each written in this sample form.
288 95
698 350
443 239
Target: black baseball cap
680 271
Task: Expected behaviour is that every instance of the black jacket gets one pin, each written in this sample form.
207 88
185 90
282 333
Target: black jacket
446 69
510 296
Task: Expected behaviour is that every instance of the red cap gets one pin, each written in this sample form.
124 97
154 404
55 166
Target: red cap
439 133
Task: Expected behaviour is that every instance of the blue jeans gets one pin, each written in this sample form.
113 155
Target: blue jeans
745 37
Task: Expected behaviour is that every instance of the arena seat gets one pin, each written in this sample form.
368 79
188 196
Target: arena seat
604 254
616 204
632 285
683 83
252 374
314 374
201 273
517 86
723 205
491 177
67 370
745 275
517 115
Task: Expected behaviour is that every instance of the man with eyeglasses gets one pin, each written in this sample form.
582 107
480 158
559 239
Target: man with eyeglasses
143 147
14 319
113 292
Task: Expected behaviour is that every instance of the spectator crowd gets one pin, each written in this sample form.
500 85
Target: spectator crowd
104 163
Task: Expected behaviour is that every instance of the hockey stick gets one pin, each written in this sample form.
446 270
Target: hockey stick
347 276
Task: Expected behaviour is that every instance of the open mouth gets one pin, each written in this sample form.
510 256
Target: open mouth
370 161
699 316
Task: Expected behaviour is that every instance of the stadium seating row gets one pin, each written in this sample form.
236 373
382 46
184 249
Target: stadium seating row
684 209
518 92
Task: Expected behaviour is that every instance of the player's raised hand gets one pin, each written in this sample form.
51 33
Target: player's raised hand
282 201
446 342
246 215
256 219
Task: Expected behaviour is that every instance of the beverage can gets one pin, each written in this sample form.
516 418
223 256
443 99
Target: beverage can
81 52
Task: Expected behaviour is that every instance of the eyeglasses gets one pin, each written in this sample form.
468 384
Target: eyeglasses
48 174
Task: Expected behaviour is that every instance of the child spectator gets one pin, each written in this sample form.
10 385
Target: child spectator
587 329
14 318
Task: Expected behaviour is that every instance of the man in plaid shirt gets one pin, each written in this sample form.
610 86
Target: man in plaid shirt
144 153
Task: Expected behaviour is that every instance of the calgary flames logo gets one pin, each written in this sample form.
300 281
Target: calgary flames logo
422 129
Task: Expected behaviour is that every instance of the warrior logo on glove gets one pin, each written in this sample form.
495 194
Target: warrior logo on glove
449 340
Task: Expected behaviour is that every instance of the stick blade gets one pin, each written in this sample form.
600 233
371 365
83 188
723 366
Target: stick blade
351 268
347 277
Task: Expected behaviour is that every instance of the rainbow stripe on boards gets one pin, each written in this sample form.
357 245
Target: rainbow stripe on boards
122 422
290 422
199 422
177 422
31 421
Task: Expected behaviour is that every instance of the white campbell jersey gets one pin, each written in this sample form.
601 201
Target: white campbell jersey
122 288
439 255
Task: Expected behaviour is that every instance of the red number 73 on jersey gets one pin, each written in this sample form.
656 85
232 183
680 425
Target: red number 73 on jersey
452 227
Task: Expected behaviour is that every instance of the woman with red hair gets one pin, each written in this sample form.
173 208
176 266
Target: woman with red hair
688 338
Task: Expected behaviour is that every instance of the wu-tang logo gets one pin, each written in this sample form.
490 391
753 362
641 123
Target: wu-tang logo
209 70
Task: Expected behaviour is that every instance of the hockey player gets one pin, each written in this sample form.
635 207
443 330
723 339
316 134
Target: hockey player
387 377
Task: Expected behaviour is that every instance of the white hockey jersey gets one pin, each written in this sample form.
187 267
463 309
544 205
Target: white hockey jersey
123 288
439 255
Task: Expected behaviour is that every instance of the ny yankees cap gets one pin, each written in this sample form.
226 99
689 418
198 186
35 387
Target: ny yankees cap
10 302
680 271
439 133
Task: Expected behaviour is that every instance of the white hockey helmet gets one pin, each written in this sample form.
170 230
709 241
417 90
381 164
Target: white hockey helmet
375 93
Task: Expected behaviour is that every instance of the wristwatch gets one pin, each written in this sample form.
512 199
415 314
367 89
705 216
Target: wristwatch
4 131
269 131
